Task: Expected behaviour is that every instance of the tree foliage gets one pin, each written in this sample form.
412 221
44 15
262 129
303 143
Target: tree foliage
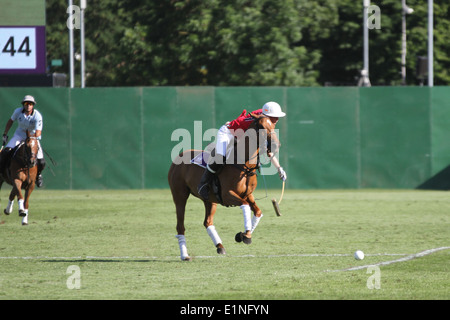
243 42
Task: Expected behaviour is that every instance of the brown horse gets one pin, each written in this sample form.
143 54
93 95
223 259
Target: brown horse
21 174
237 182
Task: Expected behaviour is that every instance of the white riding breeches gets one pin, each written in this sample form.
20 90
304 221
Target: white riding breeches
17 139
223 139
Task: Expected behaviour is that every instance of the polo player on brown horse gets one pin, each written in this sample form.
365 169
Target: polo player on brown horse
237 174
21 172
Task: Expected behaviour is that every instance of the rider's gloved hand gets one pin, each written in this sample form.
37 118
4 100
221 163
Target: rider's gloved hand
282 174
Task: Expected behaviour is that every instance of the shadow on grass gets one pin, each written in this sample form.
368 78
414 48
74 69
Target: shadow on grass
110 260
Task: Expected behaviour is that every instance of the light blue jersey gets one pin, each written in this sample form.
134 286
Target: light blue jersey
31 123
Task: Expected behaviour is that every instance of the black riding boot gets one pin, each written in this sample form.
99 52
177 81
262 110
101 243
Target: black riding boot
203 186
41 166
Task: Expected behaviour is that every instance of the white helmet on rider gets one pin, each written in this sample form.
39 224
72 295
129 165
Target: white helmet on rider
29 98
272 109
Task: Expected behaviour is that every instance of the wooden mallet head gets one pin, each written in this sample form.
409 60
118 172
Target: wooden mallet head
276 207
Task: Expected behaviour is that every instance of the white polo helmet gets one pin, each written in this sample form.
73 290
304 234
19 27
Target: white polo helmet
272 109
28 98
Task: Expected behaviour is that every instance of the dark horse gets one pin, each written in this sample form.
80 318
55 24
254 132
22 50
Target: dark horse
237 182
21 174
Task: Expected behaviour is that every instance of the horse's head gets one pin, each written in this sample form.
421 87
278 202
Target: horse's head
266 131
31 148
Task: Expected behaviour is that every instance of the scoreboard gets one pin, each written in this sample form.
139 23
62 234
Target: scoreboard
22 49
22 37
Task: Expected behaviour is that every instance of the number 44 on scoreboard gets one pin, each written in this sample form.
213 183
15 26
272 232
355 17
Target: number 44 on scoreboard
23 48
18 48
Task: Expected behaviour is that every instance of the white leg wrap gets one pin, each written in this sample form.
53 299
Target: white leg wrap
182 245
247 212
9 207
20 202
255 221
214 235
25 218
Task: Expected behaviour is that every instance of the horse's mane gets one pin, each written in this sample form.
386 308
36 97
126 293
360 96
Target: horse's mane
256 118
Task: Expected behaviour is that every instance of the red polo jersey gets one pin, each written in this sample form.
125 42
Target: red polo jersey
243 121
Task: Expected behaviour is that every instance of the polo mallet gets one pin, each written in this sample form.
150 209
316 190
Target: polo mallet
276 205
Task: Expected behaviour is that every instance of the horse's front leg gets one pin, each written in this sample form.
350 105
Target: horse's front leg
234 199
210 210
17 191
246 236
250 222
28 192
10 205
256 211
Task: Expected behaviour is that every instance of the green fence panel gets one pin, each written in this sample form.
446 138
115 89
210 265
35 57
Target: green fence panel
322 137
106 138
440 142
159 119
395 136
440 131
56 137
168 111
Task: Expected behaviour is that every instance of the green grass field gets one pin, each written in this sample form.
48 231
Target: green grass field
123 245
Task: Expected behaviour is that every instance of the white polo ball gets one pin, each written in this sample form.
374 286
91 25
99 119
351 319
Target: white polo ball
359 255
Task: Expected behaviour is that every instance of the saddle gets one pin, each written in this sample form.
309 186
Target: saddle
201 160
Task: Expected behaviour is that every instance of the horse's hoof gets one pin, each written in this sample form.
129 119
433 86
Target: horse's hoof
24 223
6 212
241 237
221 251
22 213
246 240
187 259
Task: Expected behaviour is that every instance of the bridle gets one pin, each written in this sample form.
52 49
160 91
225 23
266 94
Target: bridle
27 157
